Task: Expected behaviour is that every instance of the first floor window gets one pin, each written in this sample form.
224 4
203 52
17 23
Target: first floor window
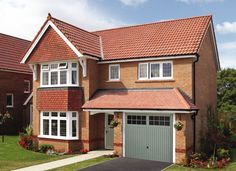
60 125
9 100
26 86
114 72
155 70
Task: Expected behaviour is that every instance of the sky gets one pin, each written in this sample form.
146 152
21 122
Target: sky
23 18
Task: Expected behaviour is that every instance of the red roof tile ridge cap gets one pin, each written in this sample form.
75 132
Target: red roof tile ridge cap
52 18
181 98
15 37
155 22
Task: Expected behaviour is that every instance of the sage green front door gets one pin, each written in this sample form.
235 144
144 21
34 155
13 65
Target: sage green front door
149 136
109 132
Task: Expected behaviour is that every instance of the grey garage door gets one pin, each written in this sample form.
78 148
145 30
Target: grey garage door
149 136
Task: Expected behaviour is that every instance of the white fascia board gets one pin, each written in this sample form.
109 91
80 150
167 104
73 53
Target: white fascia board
148 59
50 23
94 111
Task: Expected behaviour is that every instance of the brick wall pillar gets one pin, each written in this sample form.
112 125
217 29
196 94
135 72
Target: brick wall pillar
118 138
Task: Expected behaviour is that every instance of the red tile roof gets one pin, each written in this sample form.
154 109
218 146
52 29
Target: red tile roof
11 50
84 41
162 99
167 38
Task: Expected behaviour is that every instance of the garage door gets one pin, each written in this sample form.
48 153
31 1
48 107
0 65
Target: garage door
149 136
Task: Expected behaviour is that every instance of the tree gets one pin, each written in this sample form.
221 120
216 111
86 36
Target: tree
226 91
3 118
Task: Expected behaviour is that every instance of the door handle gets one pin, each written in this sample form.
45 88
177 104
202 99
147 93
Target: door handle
147 147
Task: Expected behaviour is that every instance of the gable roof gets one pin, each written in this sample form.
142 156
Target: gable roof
181 37
166 38
11 51
158 99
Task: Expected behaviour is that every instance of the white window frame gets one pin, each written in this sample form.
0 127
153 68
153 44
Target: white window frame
116 79
28 83
68 120
139 67
12 101
161 71
67 68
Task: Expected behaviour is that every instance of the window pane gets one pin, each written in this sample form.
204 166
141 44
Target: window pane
45 127
73 128
155 70
114 72
63 77
45 113
54 127
54 114
63 65
26 86
9 100
62 127
54 66
45 67
143 71
74 65
63 114
54 78
74 77
73 114
166 69
45 78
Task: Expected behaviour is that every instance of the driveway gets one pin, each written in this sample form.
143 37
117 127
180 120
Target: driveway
123 164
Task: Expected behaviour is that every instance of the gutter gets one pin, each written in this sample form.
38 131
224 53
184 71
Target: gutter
193 116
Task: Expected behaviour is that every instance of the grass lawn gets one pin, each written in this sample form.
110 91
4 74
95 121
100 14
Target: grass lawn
12 156
83 164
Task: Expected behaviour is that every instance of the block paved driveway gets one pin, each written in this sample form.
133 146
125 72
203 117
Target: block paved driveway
123 164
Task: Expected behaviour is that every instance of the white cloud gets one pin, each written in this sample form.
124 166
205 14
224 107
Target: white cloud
133 2
25 17
199 1
227 51
226 27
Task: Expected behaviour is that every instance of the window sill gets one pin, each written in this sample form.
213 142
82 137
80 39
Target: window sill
9 106
148 81
58 138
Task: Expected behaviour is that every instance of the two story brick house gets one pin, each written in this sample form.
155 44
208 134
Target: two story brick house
145 77
15 83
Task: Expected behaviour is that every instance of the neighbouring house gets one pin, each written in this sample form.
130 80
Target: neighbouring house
145 78
15 83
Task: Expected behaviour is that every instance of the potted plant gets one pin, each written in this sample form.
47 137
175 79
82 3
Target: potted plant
178 126
114 123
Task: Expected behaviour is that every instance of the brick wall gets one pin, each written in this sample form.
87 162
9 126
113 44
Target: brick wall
118 134
206 87
11 82
182 69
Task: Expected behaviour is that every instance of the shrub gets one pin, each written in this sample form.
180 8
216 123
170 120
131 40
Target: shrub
45 147
222 153
83 151
26 139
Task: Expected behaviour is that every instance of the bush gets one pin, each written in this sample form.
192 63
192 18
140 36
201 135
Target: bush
45 147
26 139
222 153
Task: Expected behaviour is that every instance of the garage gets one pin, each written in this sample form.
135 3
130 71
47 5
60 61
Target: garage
149 136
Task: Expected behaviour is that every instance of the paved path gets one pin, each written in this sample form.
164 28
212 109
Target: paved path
68 161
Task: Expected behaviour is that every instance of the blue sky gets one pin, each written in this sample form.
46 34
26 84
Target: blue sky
23 18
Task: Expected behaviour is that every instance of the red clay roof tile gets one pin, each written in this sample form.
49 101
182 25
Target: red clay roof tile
168 99
11 50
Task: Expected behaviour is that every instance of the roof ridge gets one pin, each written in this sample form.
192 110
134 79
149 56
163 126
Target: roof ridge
52 18
15 37
155 22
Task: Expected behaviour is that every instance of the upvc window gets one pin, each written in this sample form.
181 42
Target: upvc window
59 74
9 100
59 125
155 70
26 86
114 72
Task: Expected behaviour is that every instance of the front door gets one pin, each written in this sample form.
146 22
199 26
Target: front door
109 132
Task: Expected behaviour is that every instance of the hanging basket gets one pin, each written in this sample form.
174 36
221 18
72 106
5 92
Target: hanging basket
114 123
178 126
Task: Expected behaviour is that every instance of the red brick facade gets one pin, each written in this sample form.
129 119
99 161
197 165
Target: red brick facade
13 83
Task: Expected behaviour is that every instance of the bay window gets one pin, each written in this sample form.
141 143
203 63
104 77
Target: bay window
155 70
59 125
59 74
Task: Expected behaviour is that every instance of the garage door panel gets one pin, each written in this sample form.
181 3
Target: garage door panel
152 141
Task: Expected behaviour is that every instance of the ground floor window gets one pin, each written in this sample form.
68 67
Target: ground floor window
60 125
